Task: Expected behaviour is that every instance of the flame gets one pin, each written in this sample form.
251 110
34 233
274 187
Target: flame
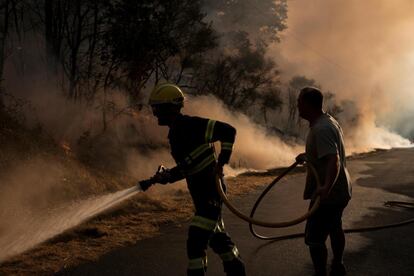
66 147
135 114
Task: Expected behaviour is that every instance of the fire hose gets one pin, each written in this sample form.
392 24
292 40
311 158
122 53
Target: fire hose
252 221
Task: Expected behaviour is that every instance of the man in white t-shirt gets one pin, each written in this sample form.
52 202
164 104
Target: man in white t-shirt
325 151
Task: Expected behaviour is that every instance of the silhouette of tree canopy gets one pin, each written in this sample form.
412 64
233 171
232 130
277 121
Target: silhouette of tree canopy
262 19
144 36
238 78
96 47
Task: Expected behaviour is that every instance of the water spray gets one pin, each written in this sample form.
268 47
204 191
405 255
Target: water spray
56 221
66 217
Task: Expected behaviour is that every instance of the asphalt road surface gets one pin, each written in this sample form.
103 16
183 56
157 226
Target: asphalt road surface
387 175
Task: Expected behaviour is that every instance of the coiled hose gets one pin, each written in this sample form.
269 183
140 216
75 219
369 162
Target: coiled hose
252 221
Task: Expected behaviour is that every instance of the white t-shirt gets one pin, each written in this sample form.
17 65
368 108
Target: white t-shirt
325 137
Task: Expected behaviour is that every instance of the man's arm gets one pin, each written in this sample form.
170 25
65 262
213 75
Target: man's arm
327 152
226 134
175 175
332 171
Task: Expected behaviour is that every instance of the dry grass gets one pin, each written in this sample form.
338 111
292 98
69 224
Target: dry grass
139 218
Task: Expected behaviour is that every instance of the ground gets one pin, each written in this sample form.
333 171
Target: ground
144 238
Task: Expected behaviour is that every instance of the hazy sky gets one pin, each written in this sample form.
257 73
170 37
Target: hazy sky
362 50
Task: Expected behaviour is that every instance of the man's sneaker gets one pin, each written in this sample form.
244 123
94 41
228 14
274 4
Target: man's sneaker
337 269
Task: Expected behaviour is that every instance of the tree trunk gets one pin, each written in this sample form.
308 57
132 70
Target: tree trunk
54 16
4 20
292 109
49 35
104 120
264 110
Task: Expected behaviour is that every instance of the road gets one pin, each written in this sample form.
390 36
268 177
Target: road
383 176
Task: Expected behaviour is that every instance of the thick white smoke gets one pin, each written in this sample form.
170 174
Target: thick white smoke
362 51
253 147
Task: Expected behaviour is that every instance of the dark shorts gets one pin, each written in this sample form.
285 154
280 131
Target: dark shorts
325 220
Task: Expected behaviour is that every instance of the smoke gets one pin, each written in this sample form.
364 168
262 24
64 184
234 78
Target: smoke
253 148
361 51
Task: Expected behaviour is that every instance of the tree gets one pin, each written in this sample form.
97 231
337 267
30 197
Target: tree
154 40
54 16
96 47
9 21
271 100
4 24
73 34
262 19
239 78
81 28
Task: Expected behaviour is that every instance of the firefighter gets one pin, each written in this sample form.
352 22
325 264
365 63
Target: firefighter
191 140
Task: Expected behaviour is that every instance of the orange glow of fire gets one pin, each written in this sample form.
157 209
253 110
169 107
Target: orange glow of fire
66 147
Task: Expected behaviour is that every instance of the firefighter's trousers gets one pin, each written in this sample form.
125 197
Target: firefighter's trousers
207 229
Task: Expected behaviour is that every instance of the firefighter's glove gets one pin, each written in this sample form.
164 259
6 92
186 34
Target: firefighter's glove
145 184
301 158
162 177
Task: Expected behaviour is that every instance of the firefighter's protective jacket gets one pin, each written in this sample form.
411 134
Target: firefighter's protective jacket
191 140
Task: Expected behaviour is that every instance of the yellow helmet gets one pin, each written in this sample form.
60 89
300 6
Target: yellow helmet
166 93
